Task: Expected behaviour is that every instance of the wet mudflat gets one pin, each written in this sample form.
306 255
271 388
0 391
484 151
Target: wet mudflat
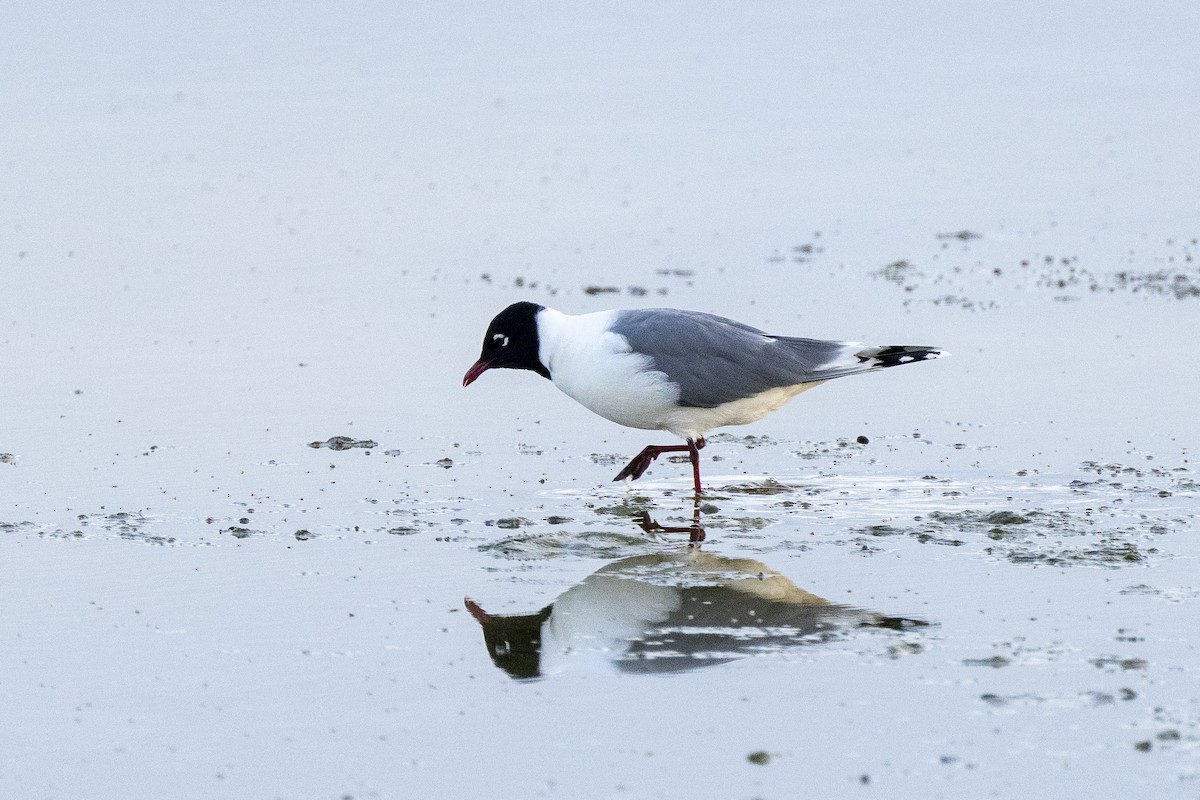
256 540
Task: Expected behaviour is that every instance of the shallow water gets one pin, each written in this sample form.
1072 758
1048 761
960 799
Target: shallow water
257 541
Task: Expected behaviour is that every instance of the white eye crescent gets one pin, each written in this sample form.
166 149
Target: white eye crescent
501 338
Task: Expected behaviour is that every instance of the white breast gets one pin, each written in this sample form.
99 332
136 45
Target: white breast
596 368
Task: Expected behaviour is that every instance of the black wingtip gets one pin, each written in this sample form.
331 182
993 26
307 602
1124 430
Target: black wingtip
896 355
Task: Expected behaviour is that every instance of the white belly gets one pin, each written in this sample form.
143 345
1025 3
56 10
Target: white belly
598 370
691 423
621 389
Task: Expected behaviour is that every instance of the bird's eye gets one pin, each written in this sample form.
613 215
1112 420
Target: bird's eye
501 338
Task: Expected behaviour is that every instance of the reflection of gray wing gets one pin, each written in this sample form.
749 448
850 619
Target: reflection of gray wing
715 624
716 360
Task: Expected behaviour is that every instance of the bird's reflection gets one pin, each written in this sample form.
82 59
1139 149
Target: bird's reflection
670 612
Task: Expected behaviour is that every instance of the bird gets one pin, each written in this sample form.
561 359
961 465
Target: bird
685 372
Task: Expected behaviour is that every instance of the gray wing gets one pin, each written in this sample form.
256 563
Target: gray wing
716 360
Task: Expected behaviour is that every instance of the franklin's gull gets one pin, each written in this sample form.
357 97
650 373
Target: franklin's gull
685 372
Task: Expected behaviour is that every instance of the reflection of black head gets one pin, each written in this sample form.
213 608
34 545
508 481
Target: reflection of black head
514 642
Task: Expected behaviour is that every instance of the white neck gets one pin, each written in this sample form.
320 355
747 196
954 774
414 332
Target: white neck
561 336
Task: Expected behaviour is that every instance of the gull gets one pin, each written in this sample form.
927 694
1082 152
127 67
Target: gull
685 372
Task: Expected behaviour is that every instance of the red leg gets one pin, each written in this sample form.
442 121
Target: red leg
694 446
641 462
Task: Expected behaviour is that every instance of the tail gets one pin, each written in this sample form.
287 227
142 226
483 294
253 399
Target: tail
852 358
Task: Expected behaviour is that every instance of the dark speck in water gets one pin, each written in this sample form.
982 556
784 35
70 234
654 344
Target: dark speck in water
508 523
995 662
343 443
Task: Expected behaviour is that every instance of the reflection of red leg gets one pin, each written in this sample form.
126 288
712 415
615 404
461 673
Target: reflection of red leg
695 531
641 462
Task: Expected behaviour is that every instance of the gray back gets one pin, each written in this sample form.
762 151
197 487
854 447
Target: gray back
716 360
